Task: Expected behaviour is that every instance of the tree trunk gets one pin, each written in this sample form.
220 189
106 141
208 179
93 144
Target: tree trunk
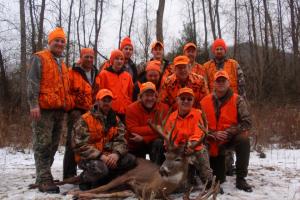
41 27
218 19
205 32
194 22
212 21
159 21
78 26
121 24
98 23
131 19
5 97
235 28
23 57
33 33
59 14
68 34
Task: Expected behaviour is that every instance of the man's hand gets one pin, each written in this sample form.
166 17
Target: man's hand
136 138
221 135
35 113
112 160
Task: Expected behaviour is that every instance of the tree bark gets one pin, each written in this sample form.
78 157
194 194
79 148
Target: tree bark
41 27
212 21
5 97
121 24
131 19
194 22
78 26
205 32
33 33
23 57
159 21
218 19
98 23
235 28
68 34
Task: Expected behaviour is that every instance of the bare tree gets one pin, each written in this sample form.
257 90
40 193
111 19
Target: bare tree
205 29
235 28
41 27
131 19
77 25
68 33
218 18
4 83
98 23
212 21
59 14
33 31
159 21
121 23
23 56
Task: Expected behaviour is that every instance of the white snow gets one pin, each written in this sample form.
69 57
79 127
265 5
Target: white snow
275 177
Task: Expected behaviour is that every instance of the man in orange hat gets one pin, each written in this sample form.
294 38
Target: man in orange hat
99 144
119 81
231 66
182 78
186 122
48 97
228 122
82 83
141 138
126 47
190 50
153 72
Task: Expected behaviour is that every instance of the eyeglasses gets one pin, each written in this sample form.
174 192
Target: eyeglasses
186 98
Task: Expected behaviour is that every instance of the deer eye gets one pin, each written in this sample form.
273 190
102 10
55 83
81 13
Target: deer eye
178 159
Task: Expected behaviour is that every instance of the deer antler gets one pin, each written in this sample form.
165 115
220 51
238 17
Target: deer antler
212 191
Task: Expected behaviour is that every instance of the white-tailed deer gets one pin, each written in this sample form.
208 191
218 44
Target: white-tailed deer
149 180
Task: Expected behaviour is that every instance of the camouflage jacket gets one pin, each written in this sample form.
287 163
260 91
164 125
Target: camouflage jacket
110 135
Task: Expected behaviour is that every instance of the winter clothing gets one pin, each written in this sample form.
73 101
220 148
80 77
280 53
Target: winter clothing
58 32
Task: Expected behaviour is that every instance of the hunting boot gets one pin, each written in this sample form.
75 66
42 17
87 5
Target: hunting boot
49 187
242 184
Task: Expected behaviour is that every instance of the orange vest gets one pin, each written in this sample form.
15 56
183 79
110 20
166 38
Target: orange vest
54 85
198 69
81 90
230 66
228 117
97 137
186 129
121 86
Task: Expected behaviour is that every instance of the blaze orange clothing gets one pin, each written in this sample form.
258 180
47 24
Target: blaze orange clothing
80 88
104 65
167 71
171 87
121 86
186 129
230 66
54 85
97 137
137 121
198 69
228 116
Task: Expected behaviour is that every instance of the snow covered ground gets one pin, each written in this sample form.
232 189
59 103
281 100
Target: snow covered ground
275 177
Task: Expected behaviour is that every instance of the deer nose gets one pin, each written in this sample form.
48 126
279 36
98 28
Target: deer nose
164 171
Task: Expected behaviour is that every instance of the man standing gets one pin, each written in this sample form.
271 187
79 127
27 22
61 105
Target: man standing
82 82
228 123
141 138
126 47
180 79
221 62
48 96
190 50
99 143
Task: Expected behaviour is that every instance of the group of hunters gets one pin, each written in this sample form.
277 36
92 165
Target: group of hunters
108 111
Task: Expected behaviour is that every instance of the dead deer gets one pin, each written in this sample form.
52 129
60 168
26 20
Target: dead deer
149 180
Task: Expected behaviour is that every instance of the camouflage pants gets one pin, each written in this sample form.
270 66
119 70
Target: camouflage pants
96 170
46 136
69 165
155 149
200 161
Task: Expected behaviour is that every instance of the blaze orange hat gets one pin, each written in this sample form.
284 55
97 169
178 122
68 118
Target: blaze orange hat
155 43
103 93
217 43
185 90
221 73
190 44
58 32
181 60
153 65
147 86
126 41
85 51
114 54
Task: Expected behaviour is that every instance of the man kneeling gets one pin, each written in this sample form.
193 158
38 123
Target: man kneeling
99 143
